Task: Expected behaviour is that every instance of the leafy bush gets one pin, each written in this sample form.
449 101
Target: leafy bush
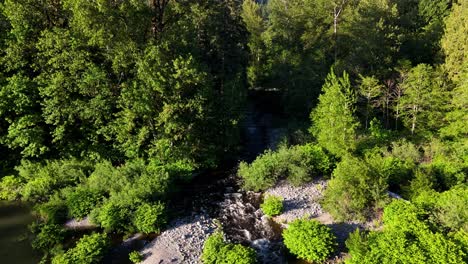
309 240
149 217
217 251
237 254
10 188
135 257
447 209
354 190
88 250
405 238
81 201
272 205
262 173
112 216
53 211
43 180
47 236
298 164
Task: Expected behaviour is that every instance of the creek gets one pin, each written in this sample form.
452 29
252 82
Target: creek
215 193
15 244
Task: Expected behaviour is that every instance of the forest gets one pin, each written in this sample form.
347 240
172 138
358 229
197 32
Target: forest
109 107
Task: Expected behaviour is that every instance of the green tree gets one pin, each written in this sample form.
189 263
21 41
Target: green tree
457 116
369 39
76 94
423 100
252 15
298 50
164 110
370 89
455 41
333 123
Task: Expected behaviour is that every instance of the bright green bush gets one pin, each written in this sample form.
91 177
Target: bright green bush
149 218
10 188
297 163
405 238
88 250
309 240
262 173
81 201
135 257
447 209
212 247
354 190
112 216
217 251
272 205
237 254
44 180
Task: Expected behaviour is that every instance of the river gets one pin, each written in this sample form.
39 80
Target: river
15 244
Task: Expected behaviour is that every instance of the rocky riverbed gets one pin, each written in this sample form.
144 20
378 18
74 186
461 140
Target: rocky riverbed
299 202
243 222
181 242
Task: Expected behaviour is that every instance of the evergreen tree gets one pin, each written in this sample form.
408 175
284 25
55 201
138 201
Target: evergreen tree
333 123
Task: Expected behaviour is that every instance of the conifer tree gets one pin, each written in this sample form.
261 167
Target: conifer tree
333 122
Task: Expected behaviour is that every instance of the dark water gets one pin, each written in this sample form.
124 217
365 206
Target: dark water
15 246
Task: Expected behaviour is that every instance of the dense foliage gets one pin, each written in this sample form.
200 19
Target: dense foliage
309 240
298 164
216 251
272 205
107 106
411 235
89 249
135 257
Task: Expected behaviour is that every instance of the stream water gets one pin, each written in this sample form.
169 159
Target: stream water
15 245
216 193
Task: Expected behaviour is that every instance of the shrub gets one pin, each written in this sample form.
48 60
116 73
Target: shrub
149 218
355 189
405 238
297 163
43 180
212 248
309 240
237 254
262 173
216 251
10 187
47 236
112 216
81 201
88 250
135 257
54 211
272 205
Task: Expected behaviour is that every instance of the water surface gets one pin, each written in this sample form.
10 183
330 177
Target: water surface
15 245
